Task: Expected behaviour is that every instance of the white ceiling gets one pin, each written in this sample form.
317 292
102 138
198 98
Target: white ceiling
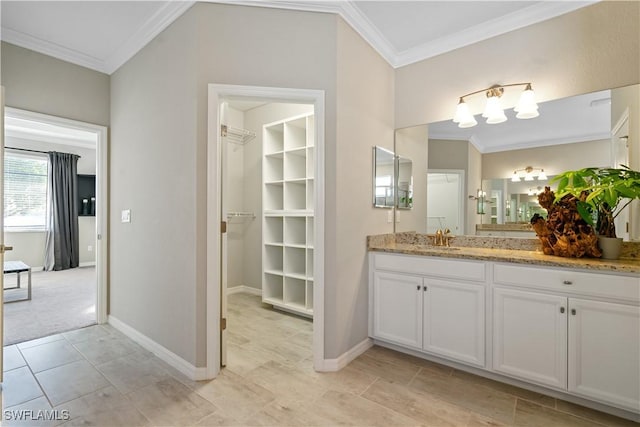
103 35
561 121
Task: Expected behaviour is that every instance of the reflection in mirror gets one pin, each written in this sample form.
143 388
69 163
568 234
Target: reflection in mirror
411 146
570 133
383 178
445 199
405 183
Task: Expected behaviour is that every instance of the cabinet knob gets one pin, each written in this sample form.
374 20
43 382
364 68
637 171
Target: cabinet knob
418 288
567 282
561 309
424 288
573 311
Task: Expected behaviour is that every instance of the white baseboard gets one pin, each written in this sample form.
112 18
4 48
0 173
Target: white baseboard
87 264
162 352
331 365
244 289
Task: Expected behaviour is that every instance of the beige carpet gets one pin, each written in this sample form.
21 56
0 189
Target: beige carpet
60 301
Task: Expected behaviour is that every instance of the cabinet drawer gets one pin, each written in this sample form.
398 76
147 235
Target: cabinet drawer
431 266
591 284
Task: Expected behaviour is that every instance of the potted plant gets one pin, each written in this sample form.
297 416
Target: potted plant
603 193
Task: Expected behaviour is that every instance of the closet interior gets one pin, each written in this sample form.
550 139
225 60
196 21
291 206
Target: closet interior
268 201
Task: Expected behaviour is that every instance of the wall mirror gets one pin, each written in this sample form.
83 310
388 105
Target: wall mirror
404 178
383 178
571 133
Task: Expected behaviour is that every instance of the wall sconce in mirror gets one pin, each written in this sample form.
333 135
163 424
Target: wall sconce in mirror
480 199
529 174
527 108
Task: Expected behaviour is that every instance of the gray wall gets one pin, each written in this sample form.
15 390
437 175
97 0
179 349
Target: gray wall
153 259
43 84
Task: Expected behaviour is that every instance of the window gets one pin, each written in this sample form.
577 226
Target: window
25 192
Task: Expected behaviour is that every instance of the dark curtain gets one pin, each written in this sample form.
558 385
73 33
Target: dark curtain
62 244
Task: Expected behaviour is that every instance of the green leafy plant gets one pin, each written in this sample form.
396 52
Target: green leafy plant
602 193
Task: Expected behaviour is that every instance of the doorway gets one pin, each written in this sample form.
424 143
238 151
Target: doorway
49 302
445 198
285 205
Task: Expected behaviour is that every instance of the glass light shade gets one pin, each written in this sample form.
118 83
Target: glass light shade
493 111
528 176
462 112
527 108
515 177
542 176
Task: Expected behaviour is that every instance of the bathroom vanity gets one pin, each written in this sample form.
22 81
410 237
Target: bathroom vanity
567 327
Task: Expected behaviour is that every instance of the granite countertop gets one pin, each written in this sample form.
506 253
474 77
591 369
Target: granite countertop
515 250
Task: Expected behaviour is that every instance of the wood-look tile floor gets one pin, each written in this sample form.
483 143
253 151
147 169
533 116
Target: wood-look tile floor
104 379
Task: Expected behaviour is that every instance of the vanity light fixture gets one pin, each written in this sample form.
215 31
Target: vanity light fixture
529 174
527 108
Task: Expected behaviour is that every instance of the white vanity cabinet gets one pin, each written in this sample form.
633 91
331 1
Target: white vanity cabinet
427 310
546 335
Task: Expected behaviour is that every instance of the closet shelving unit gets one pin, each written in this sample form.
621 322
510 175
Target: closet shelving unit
287 213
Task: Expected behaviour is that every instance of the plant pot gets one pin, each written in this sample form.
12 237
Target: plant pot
610 247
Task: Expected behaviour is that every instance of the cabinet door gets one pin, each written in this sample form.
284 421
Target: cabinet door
604 352
530 336
397 309
454 320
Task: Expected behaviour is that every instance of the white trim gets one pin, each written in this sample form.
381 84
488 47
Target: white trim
192 372
485 30
350 12
157 22
242 289
153 26
102 172
332 365
87 264
216 93
534 143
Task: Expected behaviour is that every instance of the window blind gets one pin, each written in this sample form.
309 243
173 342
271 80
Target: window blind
25 192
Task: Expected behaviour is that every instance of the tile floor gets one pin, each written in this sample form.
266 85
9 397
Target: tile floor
104 379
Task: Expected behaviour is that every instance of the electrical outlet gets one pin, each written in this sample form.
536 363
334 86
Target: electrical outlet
90 248
389 216
126 215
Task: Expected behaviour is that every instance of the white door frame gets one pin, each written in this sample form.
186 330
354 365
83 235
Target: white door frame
101 194
214 205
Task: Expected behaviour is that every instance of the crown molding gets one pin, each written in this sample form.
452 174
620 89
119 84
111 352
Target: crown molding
495 27
571 139
51 49
347 9
160 20
521 145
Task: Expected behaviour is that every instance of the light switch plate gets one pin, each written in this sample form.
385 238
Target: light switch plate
126 215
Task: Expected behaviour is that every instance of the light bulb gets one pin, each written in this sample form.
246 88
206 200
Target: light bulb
463 116
542 176
515 177
493 111
527 108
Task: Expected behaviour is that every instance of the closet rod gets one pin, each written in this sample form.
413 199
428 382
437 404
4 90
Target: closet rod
31 151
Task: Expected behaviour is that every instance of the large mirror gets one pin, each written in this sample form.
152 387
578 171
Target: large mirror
383 178
404 178
571 133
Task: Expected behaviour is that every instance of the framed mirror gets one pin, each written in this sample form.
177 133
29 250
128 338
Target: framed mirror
383 178
571 133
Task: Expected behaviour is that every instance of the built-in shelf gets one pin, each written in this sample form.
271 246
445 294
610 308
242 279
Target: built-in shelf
288 229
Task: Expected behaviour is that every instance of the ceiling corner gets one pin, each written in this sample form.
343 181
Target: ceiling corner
151 28
51 49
